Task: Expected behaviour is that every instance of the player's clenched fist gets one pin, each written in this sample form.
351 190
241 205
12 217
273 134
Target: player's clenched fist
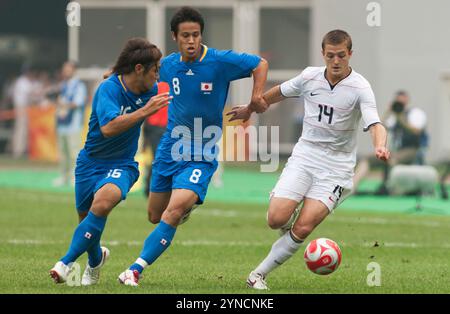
382 153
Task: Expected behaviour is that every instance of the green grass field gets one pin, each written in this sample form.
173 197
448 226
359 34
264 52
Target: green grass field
219 246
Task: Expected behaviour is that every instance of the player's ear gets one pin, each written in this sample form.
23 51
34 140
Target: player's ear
139 68
174 37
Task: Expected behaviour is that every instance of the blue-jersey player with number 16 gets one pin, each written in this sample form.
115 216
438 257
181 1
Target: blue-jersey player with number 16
199 78
106 169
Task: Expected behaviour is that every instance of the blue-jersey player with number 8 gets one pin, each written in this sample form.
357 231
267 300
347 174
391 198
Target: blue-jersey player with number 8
199 79
106 169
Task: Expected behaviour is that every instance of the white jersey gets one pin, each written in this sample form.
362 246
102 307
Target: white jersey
333 113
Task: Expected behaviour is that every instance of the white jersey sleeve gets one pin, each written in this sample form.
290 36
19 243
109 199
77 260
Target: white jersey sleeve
294 87
368 108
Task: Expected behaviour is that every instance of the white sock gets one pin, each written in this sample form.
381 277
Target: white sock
281 251
141 262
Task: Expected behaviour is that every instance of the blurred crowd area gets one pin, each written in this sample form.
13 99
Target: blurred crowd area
25 97
19 93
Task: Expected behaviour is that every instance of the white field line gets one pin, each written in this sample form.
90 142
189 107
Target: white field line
214 212
138 243
388 221
226 243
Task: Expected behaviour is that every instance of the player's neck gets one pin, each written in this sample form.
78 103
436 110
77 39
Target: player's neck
334 79
197 55
131 84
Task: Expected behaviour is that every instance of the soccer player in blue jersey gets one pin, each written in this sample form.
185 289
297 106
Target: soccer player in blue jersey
199 79
106 169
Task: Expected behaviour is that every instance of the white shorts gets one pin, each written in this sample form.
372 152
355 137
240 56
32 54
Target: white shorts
298 181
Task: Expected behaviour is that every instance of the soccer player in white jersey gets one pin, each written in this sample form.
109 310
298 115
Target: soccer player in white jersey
319 172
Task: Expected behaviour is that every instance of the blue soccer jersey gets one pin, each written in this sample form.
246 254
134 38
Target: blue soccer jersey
109 160
112 99
199 91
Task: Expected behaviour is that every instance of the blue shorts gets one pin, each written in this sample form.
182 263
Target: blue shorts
91 175
189 175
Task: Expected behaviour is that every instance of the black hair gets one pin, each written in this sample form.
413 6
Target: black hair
186 14
401 93
137 51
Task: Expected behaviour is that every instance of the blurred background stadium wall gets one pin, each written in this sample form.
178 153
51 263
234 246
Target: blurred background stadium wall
407 51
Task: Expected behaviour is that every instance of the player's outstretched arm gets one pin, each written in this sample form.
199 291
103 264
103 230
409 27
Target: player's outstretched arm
126 121
273 95
244 112
379 140
257 103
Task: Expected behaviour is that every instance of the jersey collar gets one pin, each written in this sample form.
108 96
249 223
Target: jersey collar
122 82
202 56
331 85
124 86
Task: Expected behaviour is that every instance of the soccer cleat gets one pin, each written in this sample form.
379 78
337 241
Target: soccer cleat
129 278
256 281
290 223
187 214
91 275
59 272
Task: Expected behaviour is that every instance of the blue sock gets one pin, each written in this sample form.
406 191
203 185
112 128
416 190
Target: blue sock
87 234
155 244
94 254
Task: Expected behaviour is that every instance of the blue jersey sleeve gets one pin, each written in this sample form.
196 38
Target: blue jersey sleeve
237 65
108 107
163 73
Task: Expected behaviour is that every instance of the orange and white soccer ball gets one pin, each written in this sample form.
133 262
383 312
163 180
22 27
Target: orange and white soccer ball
322 256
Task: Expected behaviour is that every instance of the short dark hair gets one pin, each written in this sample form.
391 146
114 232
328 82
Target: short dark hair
137 51
336 37
401 93
186 14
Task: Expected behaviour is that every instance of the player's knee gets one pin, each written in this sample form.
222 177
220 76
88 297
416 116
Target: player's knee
302 231
275 221
154 219
101 207
173 215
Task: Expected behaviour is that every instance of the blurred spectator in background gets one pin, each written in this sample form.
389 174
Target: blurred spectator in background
46 89
7 93
407 128
70 106
408 139
154 128
22 98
